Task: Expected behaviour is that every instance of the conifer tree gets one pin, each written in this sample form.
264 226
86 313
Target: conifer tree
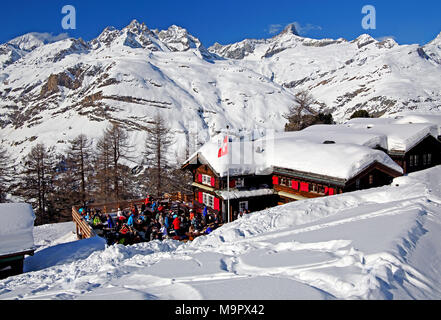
112 148
5 172
157 144
36 181
79 168
296 120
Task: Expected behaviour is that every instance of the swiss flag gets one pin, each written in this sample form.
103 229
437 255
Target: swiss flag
224 148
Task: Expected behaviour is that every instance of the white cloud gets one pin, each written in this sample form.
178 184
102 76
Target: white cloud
387 37
305 29
301 29
274 28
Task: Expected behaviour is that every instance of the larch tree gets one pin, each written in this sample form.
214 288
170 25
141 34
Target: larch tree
36 181
157 144
101 171
301 115
78 163
296 120
112 148
5 172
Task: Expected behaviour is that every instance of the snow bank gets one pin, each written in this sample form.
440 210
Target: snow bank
16 227
64 253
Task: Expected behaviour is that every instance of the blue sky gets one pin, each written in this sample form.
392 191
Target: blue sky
227 21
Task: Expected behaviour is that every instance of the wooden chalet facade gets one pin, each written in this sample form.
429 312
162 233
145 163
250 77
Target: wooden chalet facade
282 185
424 155
293 185
249 192
12 264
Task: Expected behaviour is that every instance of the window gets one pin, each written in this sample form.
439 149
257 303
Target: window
417 160
240 182
208 200
411 161
427 159
357 184
243 205
206 180
284 182
314 188
371 179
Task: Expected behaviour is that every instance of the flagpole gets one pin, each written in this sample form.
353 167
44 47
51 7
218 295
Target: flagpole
228 190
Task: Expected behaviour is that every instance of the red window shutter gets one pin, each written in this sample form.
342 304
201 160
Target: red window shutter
216 204
326 191
200 197
199 178
304 186
213 181
275 180
232 183
295 185
331 191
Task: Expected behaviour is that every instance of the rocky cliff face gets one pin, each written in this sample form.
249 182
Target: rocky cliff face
52 89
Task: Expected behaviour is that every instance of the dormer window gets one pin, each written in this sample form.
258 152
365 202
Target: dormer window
240 182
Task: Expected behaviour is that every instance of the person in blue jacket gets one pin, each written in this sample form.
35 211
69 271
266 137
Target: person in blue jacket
167 221
204 214
110 222
130 220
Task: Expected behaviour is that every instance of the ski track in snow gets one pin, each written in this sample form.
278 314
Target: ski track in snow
372 244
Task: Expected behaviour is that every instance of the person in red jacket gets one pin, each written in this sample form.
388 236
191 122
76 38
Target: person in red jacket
177 225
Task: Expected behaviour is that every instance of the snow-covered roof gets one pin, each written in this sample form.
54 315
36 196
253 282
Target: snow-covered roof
343 134
16 228
343 161
400 137
294 152
419 117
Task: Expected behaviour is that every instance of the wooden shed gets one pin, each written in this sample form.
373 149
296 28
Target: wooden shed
16 237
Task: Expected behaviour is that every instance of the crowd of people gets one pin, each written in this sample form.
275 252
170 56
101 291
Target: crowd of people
154 220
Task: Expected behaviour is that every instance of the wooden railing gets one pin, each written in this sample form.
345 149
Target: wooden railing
83 229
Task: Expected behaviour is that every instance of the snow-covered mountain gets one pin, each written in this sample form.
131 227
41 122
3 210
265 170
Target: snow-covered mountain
53 88
344 76
18 47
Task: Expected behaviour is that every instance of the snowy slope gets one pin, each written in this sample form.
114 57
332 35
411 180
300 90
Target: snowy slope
54 88
374 244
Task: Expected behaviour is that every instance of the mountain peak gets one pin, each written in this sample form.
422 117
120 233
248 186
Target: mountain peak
137 27
289 29
32 40
437 40
364 40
